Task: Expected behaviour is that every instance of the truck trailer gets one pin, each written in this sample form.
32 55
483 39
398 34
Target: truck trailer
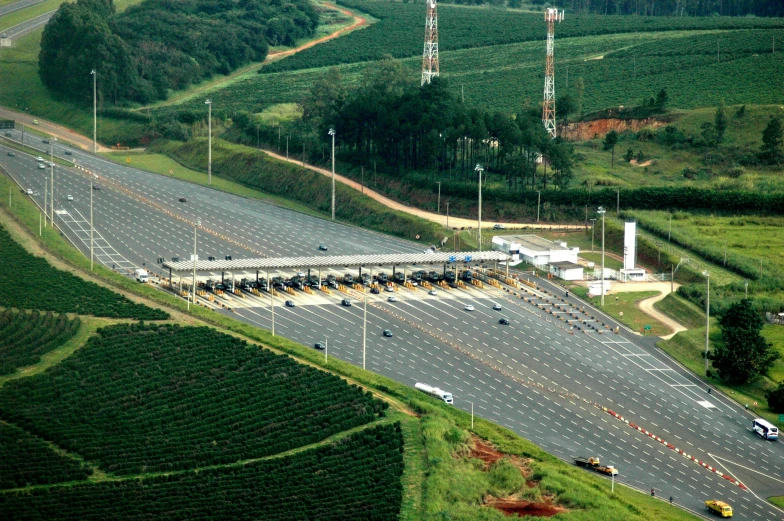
435 391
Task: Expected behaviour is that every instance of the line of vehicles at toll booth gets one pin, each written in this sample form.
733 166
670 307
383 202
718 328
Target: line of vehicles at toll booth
300 280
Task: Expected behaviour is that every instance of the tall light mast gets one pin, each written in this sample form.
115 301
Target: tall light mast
548 107
430 55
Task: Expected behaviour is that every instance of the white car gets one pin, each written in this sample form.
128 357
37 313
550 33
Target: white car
497 307
69 197
432 292
391 289
469 307
39 159
29 191
42 166
392 299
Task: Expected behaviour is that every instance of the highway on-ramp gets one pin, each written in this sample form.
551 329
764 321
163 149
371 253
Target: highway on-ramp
536 376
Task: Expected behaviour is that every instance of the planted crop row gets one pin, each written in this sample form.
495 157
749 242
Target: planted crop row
141 398
395 33
32 283
717 45
25 460
24 337
356 478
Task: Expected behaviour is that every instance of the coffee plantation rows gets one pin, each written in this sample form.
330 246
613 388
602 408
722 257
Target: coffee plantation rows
25 460
24 337
720 46
395 34
357 477
143 398
35 284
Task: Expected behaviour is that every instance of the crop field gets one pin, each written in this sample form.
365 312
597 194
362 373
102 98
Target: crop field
24 337
152 398
27 460
49 289
357 477
395 33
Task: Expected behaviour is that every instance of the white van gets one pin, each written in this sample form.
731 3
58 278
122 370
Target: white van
141 275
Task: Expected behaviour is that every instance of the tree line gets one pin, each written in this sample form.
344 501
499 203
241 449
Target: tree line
143 53
405 127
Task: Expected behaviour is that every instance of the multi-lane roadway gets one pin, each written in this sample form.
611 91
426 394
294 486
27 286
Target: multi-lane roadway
535 376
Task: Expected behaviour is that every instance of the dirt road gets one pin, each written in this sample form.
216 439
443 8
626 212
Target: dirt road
646 306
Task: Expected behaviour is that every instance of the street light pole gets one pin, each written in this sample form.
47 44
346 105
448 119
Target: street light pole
438 208
479 224
193 290
332 133
538 204
92 243
95 113
707 317
51 170
209 141
593 225
601 212
364 326
447 214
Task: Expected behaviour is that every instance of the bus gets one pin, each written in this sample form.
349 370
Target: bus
764 429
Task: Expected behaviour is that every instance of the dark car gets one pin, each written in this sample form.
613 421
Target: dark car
346 302
387 333
322 247
11 154
68 153
375 290
183 200
45 141
290 304
319 346
96 187
504 321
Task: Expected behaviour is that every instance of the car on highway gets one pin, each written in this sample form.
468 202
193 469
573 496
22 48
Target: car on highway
387 333
96 187
392 298
346 302
469 307
45 141
499 227
389 288
183 200
10 154
68 153
432 292
39 159
29 191
7 134
319 346
300 274
375 291
504 321
290 304
497 307
41 166
69 197
35 122
322 247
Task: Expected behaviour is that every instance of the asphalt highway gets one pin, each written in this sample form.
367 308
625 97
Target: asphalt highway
28 26
536 376
21 4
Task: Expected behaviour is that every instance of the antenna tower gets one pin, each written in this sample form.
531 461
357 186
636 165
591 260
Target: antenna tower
548 107
430 55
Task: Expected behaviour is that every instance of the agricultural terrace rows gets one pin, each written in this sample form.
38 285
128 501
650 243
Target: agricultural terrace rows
34 284
24 337
396 33
357 477
25 460
144 398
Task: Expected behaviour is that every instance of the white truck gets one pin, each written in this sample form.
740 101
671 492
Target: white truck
141 275
435 391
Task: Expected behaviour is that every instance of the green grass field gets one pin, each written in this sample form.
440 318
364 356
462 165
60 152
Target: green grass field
681 310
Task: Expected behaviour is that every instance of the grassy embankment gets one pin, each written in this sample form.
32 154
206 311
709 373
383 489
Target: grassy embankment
437 454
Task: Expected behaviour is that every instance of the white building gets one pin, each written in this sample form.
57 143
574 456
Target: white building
535 250
567 270
629 271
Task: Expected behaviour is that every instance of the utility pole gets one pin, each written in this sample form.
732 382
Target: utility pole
193 290
479 224
548 106
92 227
430 68
538 204
707 316
447 214
209 140
332 133
618 202
593 227
439 198
95 114
51 170
601 212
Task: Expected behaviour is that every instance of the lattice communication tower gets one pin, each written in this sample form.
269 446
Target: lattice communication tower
548 107
430 55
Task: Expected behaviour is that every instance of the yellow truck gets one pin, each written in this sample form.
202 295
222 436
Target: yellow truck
719 507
